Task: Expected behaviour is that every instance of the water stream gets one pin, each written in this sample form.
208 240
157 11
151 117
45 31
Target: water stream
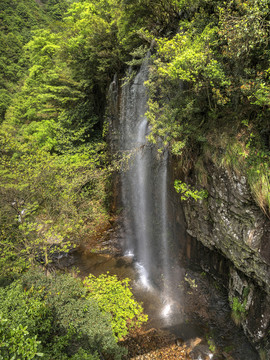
144 192
202 314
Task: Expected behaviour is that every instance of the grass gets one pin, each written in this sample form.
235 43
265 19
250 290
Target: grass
239 155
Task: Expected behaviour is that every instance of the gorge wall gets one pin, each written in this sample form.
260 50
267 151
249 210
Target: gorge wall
233 235
226 234
230 223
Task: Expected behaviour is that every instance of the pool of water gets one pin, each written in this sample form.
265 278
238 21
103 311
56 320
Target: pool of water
199 312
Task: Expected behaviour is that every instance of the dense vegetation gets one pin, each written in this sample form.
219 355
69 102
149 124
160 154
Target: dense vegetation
209 90
55 318
208 99
54 173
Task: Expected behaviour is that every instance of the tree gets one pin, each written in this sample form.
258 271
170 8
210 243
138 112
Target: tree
203 84
46 199
139 19
18 18
54 318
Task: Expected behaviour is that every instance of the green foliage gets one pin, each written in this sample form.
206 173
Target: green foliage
258 176
18 18
248 155
191 282
53 317
15 342
239 305
115 297
69 72
212 77
53 160
20 308
238 310
183 81
55 8
188 192
211 343
140 21
206 58
49 89
46 199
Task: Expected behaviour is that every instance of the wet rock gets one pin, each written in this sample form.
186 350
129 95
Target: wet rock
155 345
201 352
230 223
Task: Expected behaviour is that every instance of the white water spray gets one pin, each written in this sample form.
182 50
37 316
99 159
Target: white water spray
145 192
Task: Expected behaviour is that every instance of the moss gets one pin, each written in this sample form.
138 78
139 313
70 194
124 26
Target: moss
263 354
201 172
239 306
238 310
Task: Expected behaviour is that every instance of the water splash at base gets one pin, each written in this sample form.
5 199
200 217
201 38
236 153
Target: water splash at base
143 277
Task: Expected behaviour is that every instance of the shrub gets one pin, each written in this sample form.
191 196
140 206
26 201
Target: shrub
15 342
57 318
115 297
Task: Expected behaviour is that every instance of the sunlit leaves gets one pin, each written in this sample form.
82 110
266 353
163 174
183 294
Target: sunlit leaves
115 297
218 61
190 58
187 192
245 28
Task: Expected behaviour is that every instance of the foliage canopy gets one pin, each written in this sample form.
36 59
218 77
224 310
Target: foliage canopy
53 319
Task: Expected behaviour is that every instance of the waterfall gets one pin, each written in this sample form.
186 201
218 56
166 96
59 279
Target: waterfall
164 219
149 232
141 201
135 178
144 189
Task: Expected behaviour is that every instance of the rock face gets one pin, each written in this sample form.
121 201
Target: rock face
230 222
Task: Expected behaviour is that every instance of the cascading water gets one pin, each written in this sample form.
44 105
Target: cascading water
165 261
135 178
141 202
144 191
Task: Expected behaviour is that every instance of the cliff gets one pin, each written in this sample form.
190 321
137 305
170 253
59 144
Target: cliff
230 222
